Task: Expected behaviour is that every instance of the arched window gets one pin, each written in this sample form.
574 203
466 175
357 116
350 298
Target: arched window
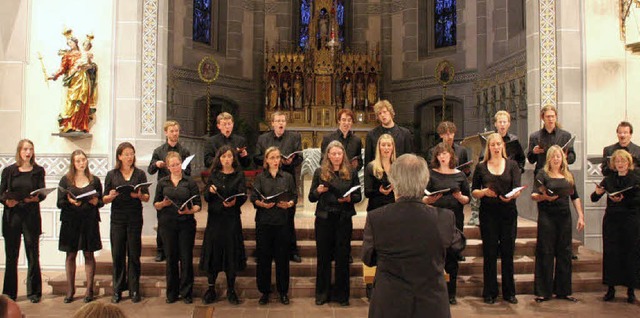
437 27
303 14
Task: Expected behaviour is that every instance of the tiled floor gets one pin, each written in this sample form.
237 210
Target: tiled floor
590 305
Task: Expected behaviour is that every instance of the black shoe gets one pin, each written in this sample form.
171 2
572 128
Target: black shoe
350 259
610 295
171 300
574 256
541 299
232 297
34 299
160 257
88 299
511 299
296 258
116 298
344 303
264 299
569 298
452 300
135 297
187 300
284 299
68 299
490 300
320 302
209 296
631 296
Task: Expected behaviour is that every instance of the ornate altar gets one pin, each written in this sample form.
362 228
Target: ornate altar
312 84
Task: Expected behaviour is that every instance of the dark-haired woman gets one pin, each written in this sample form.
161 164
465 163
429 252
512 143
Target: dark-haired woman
223 245
445 176
22 217
126 220
80 221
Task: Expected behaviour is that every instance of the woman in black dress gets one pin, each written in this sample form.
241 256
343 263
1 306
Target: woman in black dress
333 225
376 183
177 198
621 226
555 188
223 245
445 176
272 231
126 220
79 229
22 217
493 178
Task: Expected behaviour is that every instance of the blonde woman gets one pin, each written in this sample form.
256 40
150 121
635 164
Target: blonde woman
376 181
555 190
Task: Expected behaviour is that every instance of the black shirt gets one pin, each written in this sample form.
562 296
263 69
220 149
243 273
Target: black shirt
462 155
402 138
630 198
514 152
352 145
328 201
226 186
185 189
86 210
372 189
632 149
558 186
218 140
287 143
124 207
456 182
501 184
545 140
267 185
160 153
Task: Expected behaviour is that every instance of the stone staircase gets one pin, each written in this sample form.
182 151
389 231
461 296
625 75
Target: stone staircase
586 269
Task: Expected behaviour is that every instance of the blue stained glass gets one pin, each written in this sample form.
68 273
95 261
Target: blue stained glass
340 18
202 21
305 18
445 23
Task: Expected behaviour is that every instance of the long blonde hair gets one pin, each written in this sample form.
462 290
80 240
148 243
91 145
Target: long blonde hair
326 172
378 169
487 153
564 166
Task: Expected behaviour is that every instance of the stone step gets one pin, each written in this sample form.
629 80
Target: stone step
524 246
471 266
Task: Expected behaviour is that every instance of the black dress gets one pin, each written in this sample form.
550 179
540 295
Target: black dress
126 230
23 219
223 244
80 229
554 238
456 182
372 189
620 232
498 226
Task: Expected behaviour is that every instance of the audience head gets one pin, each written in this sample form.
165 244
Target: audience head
494 147
409 176
447 131
125 154
624 132
502 122
9 308
24 152
224 122
98 309
384 112
443 154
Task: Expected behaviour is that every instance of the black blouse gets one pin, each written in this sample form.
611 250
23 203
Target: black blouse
185 189
501 184
352 145
267 185
328 201
456 182
560 187
124 204
372 189
226 185
86 211
613 183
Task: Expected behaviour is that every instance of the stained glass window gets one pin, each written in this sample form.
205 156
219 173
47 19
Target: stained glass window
305 18
306 10
340 20
202 21
445 23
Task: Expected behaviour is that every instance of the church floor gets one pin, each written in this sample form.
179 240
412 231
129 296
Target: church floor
590 305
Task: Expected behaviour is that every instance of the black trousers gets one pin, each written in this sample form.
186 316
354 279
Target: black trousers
553 244
159 244
333 238
292 231
498 226
179 240
451 265
126 243
272 242
621 248
16 227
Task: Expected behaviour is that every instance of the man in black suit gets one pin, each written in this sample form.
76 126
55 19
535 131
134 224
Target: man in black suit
550 134
401 136
407 241
624 132
224 122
